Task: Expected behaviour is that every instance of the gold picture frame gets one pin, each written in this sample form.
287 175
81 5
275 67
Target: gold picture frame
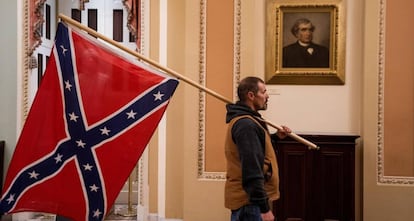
286 62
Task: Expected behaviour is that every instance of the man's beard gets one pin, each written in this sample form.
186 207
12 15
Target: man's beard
262 107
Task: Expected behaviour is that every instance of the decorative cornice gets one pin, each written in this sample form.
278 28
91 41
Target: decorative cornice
202 96
237 46
26 62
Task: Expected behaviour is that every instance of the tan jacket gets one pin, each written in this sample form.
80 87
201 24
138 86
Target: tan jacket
235 195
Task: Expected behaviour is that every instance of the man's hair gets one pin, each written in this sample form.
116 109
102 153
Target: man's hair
246 85
295 27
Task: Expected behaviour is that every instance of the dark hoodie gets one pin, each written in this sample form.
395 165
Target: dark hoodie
250 141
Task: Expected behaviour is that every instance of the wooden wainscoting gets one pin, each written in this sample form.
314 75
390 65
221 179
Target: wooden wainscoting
317 185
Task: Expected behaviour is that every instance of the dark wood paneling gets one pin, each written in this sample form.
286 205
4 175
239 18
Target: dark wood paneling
317 185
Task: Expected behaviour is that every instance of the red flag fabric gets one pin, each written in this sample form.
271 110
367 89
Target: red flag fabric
90 121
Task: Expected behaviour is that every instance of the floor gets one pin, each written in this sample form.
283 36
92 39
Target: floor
119 213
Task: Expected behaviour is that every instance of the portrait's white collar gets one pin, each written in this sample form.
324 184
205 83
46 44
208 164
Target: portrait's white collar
303 44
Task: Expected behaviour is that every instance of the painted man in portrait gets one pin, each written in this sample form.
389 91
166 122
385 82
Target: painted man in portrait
304 53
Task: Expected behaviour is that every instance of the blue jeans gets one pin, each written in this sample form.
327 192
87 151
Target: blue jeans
246 213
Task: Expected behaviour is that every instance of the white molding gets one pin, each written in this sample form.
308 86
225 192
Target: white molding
201 173
381 177
24 79
162 126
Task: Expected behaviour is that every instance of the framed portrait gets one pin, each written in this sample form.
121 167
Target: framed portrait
305 44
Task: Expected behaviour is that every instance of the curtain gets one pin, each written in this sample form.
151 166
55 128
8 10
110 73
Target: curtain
134 21
82 4
35 23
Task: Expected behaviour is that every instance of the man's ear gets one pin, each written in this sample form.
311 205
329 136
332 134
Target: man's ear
250 95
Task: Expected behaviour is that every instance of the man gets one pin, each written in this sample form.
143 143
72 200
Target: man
304 53
252 171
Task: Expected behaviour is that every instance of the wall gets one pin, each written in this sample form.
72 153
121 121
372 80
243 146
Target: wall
203 199
399 92
309 109
351 108
382 201
10 39
176 138
313 109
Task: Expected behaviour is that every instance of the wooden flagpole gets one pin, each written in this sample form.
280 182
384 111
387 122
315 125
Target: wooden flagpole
174 73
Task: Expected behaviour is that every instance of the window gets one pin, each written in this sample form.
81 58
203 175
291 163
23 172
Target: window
93 19
132 38
118 25
47 21
76 15
39 68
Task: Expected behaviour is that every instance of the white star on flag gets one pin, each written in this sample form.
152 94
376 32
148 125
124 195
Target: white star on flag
63 50
33 174
94 188
58 158
87 167
10 199
105 131
97 213
158 96
131 114
68 85
81 143
73 117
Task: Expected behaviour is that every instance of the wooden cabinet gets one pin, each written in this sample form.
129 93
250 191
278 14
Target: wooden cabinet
317 185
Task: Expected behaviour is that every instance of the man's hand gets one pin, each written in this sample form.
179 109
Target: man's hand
268 216
283 132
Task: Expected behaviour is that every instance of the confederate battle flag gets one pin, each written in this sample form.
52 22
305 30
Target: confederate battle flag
90 121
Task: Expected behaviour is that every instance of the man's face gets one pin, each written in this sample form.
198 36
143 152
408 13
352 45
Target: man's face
305 33
261 98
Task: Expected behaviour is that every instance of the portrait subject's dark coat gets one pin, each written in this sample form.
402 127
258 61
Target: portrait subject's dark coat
298 56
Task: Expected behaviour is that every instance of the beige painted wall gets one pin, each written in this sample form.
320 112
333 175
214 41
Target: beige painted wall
219 78
153 145
382 202
399 91
203 200
187 197
175 128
